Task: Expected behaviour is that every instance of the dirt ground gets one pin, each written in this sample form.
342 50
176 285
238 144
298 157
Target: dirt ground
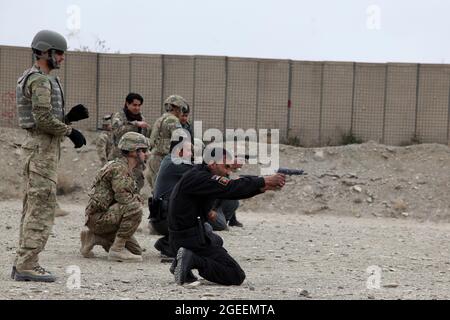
360 206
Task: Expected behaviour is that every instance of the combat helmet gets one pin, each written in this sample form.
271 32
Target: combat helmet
178 101
132 141
48 41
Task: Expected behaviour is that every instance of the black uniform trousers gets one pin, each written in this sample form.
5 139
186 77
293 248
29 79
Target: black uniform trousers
210 258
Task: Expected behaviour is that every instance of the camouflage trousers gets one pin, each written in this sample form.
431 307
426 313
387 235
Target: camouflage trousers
153 168
116 221
37 220
41 156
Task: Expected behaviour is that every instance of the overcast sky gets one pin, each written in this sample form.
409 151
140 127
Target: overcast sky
344 30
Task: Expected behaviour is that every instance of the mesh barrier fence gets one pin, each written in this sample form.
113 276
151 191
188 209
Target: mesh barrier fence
368 101
311 103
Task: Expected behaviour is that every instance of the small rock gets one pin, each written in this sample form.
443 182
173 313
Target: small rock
371 297
369 200
8 227
357 189
349 183
357 200
390 149
399 205
303 292
75 160
405 214
390 285
319 156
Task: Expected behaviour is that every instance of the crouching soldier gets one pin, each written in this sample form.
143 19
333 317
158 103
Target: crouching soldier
114 210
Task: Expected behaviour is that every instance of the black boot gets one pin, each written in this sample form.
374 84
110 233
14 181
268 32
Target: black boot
233 222
182 267
163 246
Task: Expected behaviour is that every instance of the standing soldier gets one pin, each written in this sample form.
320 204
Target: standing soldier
114 210
105 142
130 119
162 131
40 106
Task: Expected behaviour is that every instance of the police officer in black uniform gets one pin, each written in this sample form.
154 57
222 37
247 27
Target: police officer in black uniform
190 203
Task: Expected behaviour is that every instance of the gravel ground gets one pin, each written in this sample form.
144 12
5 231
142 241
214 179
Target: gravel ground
285 256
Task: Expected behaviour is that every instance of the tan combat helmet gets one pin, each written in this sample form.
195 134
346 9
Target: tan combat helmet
177 101
132 141
51 42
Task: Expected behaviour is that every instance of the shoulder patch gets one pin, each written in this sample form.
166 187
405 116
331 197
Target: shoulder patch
224 181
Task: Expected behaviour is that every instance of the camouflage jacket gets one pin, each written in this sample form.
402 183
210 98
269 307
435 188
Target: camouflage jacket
162 133
114 183
105 146
121 125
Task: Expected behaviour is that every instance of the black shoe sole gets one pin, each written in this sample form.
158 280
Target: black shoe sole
177 269
31 278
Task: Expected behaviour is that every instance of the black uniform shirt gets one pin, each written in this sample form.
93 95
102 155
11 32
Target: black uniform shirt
195 193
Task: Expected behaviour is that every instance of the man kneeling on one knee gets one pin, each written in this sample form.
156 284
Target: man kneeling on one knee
190 202
114 210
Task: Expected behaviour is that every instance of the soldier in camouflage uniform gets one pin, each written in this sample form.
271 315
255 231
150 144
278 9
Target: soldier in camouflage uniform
130 119
105 141
114 210
161 134
40 107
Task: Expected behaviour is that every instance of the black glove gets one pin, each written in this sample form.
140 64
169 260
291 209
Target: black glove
77 138
77 113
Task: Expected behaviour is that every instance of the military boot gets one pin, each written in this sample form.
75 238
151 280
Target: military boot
89 240
183 268
37 274
118 252
190 277
233 222
133 246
